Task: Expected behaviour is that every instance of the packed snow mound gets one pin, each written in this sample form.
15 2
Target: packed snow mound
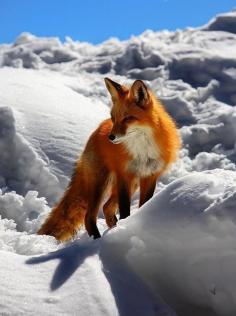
181 244
224 22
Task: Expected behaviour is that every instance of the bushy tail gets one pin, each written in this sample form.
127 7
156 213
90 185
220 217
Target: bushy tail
65 218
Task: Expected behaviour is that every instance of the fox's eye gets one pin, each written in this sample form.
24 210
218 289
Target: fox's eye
129 118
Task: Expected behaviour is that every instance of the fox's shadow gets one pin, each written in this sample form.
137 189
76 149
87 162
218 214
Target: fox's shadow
70 258
121 279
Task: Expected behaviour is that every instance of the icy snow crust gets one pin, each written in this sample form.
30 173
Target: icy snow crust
177 254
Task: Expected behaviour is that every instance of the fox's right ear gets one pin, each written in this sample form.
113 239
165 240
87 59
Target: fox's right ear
115 89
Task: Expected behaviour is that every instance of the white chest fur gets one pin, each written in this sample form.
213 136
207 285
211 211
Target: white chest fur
140 144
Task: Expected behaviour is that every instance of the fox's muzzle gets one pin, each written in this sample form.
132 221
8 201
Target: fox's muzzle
115 139
111 137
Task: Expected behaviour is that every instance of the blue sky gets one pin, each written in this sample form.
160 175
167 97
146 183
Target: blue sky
97 20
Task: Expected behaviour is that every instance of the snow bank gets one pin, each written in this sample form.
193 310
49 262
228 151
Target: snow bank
29 52
20 218
214 127
54 118
193 55
223 22
181 244
21 169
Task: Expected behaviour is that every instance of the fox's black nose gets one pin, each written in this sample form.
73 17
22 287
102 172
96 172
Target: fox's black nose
111 137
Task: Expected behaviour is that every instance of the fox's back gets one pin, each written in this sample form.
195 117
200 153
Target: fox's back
167 135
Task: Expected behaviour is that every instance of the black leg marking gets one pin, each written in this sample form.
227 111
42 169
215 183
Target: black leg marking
145 196
91 227
124 202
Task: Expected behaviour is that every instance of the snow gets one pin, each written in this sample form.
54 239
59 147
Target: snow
21 169
61 284
175 255
223 22
184 249
50 115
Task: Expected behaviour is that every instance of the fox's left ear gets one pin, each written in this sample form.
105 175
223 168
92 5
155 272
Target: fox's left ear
139 91
115 89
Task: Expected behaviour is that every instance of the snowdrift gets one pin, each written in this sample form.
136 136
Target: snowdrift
181 244
223 22
177 253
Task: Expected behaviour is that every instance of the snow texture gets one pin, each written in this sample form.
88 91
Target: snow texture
184 249
177 253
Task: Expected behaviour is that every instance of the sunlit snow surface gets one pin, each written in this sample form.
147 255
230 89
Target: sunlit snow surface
177 254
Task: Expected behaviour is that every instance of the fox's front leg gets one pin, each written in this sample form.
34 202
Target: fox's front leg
111 206
124 188
124 200
147 188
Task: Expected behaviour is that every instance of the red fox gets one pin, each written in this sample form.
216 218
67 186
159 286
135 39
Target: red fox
131 149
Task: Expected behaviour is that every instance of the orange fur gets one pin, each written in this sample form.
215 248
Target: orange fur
108 167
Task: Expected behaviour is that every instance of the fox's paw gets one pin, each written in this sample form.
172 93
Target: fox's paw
111 221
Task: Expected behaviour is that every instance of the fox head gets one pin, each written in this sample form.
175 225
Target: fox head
131 109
